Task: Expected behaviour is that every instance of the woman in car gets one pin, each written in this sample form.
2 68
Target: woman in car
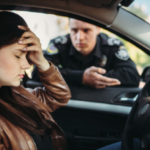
25 120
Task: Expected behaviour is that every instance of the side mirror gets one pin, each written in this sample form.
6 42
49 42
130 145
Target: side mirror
146 74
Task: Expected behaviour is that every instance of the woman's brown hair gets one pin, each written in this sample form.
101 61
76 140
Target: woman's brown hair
16 108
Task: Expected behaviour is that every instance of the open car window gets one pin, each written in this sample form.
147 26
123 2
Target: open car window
47 27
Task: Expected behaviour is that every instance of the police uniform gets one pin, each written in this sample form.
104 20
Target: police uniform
109 53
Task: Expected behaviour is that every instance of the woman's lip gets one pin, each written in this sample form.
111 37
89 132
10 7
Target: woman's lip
22 75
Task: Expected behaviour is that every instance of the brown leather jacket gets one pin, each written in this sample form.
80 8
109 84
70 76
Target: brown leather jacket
54 95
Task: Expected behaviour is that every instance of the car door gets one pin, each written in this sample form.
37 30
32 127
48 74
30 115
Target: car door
94 118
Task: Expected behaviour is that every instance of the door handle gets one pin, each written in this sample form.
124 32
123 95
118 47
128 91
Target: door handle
126 99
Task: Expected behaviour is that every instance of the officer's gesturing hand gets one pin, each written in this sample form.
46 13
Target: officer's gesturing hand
33 48
93 77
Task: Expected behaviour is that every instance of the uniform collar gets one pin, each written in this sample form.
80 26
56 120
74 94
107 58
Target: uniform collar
96 52
76 54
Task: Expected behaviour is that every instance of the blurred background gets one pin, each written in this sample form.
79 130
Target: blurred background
47 26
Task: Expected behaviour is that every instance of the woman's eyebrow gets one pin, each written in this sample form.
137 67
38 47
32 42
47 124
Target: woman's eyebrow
20 50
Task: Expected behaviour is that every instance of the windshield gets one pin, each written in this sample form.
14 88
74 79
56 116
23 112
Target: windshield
141 9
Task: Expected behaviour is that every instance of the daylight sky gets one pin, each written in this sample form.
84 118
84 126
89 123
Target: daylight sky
146 4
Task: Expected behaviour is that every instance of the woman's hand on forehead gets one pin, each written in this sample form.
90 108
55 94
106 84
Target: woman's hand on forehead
35 54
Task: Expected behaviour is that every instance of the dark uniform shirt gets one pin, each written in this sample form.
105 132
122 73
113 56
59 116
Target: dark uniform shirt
109 53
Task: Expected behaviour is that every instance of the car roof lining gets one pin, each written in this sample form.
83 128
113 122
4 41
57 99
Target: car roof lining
95 3
107 13
118 23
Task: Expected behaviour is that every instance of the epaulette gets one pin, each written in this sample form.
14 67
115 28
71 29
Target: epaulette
61 40
54 44
109 40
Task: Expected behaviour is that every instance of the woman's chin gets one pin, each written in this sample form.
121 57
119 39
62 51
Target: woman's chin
15 84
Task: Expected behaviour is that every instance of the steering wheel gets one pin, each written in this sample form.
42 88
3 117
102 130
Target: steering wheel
138 122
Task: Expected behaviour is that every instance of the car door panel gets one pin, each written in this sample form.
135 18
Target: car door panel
111 95
91 127
93 118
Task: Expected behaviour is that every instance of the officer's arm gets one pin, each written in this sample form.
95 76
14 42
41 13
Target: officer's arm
124 69
72 76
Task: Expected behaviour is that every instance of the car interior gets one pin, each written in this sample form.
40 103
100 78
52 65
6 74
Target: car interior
94 118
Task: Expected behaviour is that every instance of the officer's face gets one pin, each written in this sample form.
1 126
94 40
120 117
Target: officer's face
13 64
83 36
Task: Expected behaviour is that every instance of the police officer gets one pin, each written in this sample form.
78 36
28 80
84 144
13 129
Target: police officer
86 57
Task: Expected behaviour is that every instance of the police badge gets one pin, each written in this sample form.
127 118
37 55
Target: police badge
62 40
103 61
122 53
52 49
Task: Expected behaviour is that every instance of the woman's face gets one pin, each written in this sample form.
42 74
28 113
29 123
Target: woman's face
13 63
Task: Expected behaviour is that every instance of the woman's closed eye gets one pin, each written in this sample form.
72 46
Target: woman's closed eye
17 56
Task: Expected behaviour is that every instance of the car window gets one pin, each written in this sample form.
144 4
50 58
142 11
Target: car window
47 27
140 58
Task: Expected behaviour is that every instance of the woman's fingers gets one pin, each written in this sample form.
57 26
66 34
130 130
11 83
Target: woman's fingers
30 40
32 48
23 28
28 34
